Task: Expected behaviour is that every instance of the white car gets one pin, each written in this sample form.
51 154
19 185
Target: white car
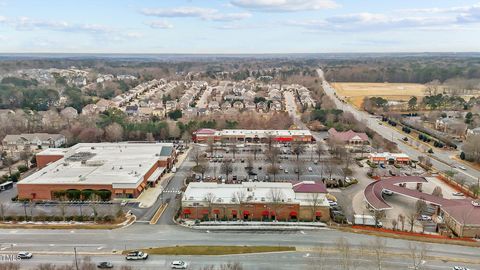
332 203
457 194
462 168
179 265
424 218
24 255
310 169
285 171
460 268
387 192
137 255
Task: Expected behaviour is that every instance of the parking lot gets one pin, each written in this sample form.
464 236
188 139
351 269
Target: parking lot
311 168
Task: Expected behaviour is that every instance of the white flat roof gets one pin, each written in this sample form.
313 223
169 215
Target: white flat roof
253 191
122 165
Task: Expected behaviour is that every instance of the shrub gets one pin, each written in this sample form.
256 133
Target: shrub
79 218
108 218
462 155
22 168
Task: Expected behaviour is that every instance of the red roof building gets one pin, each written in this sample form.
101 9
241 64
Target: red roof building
348 137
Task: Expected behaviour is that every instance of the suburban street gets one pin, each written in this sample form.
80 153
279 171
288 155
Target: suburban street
442 162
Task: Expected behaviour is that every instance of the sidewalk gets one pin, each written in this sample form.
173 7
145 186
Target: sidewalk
255 225
148 198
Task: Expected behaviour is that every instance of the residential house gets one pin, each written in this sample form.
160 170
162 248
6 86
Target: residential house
250 106
226 105
262 106
20 142
238 105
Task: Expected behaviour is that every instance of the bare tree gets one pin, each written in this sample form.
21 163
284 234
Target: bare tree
255 149
394 224
231 266
420 206
3 209
273 170
211 146
378 246
319 150
197 155
401 219
239 196
412 219
344 248
114 132
226 168
298 148
9 266
201 169
25 155
233 148
315 201
299 167
437 191
276 197
210 199
418 255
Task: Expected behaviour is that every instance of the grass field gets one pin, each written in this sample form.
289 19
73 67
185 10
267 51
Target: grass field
356 92
215 250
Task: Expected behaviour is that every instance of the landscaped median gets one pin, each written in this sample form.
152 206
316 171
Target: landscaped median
214 250
115 224
411 236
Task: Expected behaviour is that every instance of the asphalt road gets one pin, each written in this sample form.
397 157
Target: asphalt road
445 163
286 260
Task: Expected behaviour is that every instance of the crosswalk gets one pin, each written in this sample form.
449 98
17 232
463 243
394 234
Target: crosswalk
171 191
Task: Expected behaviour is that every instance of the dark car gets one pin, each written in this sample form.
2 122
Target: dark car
105 265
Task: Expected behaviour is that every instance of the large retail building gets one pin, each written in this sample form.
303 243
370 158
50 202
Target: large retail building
87 171
246 135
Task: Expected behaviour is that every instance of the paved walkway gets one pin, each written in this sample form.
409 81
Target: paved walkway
148 198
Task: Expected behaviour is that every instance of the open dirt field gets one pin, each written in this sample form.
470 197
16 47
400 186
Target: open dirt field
355 92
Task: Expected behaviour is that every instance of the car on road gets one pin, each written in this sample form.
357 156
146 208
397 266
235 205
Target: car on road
405 139
460 268
136 255
310 169
387 192
285 171
462 168
457 194
105 265
24 255
382 166
179 265
315 162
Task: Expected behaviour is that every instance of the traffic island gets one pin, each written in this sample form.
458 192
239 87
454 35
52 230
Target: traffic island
253 225
214 250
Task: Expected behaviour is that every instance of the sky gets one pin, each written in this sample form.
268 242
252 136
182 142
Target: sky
238 26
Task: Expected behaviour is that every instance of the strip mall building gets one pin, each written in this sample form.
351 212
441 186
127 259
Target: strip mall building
305 201
122 170
244 135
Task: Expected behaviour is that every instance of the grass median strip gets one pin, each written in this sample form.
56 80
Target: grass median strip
215 250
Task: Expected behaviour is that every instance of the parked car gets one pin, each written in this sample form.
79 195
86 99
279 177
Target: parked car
137 255
460 268
105 265
424 218
332 203
310 169
285 171
405 139
457 194
462 168
24 255
179 265
315 162
382 166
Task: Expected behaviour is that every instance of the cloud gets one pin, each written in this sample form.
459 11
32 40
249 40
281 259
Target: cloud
471 15
160 24
284 5
27 24
208 14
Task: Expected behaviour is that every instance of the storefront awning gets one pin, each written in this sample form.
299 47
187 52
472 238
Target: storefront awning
246 212
265 213
272 213
156 174
187 211
216 211
318 214
204 212
234 212
293 213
